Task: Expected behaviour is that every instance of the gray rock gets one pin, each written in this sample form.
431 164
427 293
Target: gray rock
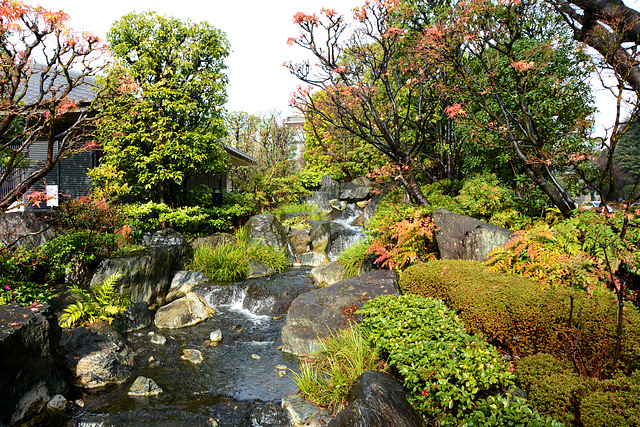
29 372
303 413
192 355
144 275
330 186
314 259
301 240
320 236
328 274
338 205
352 192
377 400
267 230
144 386
57 404
186 311
462 237
96 356
319 313
177 245
136 316
362 204
257 269
158 339
29 230
216 335
213 240
183 282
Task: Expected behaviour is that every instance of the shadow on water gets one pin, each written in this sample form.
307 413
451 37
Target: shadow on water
229 386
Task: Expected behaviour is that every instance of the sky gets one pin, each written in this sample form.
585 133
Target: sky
256 29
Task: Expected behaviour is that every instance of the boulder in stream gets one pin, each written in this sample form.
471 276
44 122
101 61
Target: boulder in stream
144 386
322 312
96 356
268 231
328 274
186 311
183 282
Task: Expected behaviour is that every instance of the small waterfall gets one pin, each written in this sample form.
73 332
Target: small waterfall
347 234
232 297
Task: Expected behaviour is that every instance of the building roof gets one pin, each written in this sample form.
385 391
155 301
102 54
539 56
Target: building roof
54 82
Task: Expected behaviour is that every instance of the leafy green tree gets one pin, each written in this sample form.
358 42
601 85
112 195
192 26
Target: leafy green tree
163 122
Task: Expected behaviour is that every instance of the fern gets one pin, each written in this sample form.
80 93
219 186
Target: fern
102 302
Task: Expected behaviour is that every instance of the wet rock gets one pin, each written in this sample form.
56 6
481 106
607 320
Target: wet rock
369 264
216 335
186 311
144 386
158 339
136 316
282 374
330 186
352 192
267 230
192 355
183 282
377 400
57 404
29 374
177 245
338 205
359 221
250 413
320 235
319 313
328 274
144 275
462 237
301 240
302 413
362 204
314 259
258 269
96 356
255 356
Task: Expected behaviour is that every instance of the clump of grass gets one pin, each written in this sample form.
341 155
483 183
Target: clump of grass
352 257
326 378
229 261
312 211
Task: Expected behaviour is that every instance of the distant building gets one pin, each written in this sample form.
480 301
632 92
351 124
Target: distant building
296 122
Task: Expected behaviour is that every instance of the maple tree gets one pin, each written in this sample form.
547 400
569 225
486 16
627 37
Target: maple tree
374 90
523 86
43 64
163 121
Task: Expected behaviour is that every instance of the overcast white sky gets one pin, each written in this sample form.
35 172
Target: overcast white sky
257 31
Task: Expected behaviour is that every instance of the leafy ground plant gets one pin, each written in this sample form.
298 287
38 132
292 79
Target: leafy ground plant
102 302
351 258
326 378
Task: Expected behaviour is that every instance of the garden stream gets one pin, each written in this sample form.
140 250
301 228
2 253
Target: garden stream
231 386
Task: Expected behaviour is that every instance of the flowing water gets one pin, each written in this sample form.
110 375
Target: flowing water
229 387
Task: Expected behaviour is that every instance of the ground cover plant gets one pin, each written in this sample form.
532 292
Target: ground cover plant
455 378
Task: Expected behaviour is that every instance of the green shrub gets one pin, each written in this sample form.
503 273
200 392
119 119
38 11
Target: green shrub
554 389
24 293
326 378
102 302
449 372
517 315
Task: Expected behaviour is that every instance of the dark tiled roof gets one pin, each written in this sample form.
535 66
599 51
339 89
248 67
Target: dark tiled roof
55 82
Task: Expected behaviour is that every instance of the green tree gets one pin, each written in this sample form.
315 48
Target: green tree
163 123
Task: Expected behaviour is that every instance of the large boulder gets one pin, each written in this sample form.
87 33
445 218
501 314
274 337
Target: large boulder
267 230
352 192
29 374
136 316
96 356
183 282
177 245
328 274
272 298
322 312
145 275
214 240
463 237
186 311
377 400
28 230
314 259
301 240
320 235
